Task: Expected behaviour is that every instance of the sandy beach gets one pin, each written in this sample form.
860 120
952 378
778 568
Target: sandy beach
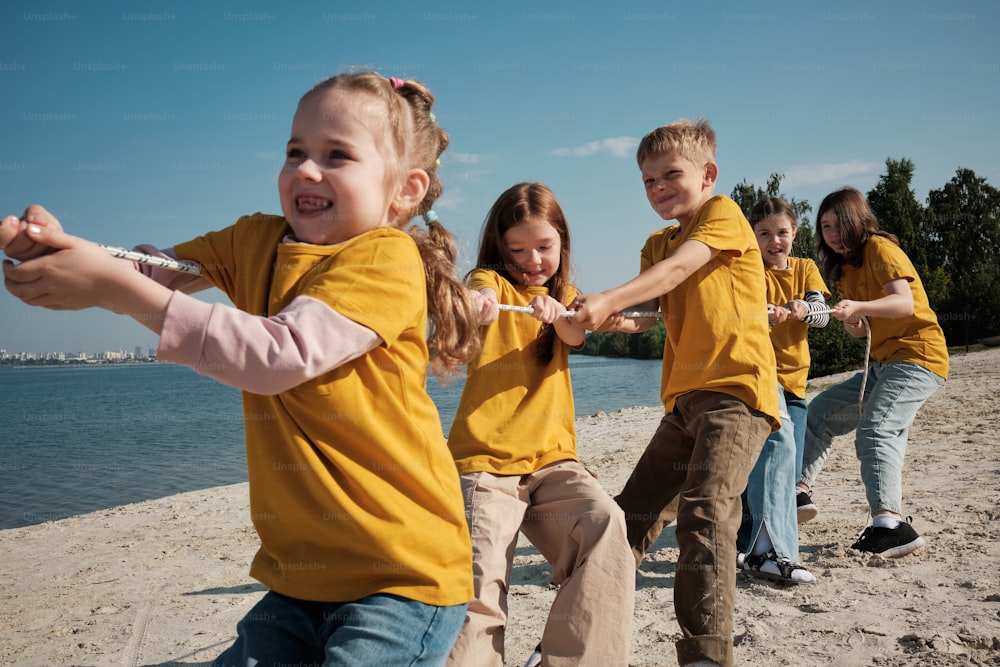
165 581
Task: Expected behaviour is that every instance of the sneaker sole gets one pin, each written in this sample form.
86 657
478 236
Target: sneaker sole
807 513
777 578
534 660
903 549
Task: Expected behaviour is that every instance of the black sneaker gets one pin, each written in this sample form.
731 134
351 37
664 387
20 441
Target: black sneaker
889 542
804 507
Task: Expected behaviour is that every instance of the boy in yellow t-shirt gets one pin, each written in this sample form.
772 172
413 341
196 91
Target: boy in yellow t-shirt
719 386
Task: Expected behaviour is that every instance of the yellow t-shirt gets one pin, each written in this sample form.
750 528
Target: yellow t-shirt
716 320
917 338
352 488
791 337
516 415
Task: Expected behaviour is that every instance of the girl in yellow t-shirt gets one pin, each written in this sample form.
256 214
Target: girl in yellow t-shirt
878 282
514 442
353 492
796 297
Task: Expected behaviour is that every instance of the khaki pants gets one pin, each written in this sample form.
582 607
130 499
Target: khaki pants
572 521
701 455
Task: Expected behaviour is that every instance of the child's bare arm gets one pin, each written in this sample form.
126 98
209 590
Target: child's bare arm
593 309
547 309
78 274
897 302
631 325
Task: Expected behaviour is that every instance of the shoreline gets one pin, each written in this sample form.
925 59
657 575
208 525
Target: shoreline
5 367
165 581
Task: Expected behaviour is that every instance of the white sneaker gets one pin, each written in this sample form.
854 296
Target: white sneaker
535 659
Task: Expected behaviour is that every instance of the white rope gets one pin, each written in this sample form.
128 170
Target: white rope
162 262
638 314
864 378
194 269
189 267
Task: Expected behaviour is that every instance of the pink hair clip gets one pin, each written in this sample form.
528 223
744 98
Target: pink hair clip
396 83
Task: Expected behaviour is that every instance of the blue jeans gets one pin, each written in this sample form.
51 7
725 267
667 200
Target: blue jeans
770 495
375 631
894 393
797 410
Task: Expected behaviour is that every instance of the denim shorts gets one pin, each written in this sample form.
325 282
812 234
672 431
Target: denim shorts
375 631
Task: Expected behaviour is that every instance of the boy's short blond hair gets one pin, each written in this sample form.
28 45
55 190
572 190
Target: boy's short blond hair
692 141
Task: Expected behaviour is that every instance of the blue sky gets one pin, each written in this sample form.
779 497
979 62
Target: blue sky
148 122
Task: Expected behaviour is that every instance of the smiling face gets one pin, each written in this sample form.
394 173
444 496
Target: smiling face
534 248
676 187
829 227
775 235
335 183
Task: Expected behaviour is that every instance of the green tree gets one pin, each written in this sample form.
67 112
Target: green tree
591 343
615 344
606 344
746 195
648 344
964 220
895 205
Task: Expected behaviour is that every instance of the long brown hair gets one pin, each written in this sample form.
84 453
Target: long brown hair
417 141
857 224
518 202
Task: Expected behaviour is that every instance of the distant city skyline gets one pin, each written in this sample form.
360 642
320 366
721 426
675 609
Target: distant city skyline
136 352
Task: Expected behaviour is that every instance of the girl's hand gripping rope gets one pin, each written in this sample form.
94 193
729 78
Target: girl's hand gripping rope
489 309
78 274
73 274
776 314
14 240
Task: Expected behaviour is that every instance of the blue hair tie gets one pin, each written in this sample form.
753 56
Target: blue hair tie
430 216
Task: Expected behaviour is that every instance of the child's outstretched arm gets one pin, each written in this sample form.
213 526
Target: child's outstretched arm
264 355
630 325
592 310
77 274
897 302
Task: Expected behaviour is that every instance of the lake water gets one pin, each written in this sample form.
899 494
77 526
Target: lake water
76 440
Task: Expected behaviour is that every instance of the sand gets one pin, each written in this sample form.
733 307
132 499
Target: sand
165 581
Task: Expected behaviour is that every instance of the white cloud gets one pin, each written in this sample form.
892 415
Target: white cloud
464 158
452 199
818 174
616 146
